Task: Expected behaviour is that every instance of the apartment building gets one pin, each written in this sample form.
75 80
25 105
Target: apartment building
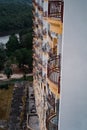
47 49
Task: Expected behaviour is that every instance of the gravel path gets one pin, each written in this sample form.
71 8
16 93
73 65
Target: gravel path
14 76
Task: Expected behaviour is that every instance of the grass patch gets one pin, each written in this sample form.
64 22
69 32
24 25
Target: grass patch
5 102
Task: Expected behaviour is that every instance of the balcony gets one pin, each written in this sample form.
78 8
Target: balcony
53 123
51 120
52 114
53 71
57 10
51 100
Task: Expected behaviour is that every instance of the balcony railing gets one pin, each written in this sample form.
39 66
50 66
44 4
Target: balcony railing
53 123
51 120
57 12
54 70
53 51
52 113
51 100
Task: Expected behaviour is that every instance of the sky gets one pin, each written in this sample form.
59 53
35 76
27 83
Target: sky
73 103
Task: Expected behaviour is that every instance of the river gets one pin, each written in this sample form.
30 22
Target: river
4 39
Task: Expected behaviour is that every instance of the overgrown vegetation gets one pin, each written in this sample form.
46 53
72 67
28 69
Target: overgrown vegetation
5 102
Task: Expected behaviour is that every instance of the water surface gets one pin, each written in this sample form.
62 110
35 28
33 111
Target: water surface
4 39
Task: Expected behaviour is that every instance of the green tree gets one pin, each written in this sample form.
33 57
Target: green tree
18 55
26 40
12 44
24 57
8 72
2 56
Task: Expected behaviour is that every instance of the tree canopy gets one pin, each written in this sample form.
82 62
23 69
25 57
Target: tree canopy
26 40
24 57
14 16
12 45
8 72
20 50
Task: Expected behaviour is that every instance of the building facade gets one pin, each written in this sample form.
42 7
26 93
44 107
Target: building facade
47 49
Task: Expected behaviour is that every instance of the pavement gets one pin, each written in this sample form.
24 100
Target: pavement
33 120
14 76
16 121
